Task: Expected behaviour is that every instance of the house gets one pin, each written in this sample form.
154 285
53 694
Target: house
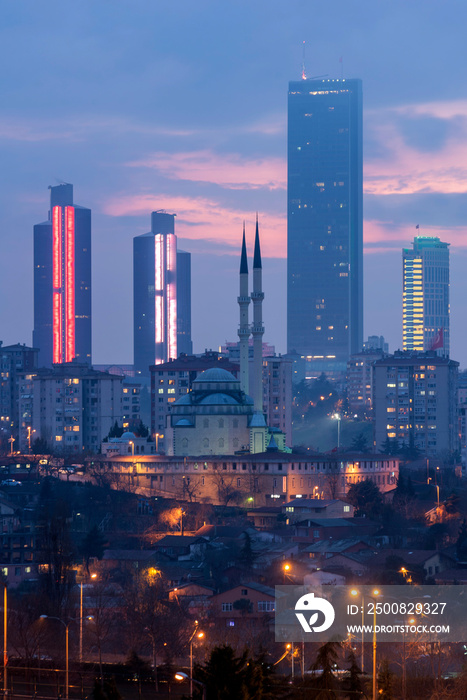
301 508
249 600
181 546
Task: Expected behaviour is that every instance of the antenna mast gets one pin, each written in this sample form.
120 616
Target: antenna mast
303 63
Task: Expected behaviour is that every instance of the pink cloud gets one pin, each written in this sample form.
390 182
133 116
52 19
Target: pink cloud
407 170
232 170
208 220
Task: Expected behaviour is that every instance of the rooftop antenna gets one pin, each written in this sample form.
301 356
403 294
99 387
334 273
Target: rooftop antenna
303 63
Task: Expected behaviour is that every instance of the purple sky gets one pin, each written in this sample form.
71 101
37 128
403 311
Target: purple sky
147 105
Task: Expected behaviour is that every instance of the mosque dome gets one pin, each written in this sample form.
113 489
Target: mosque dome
218 399
215 374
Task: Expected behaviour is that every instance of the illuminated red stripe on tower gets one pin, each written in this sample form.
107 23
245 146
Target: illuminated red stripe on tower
69 283
57 284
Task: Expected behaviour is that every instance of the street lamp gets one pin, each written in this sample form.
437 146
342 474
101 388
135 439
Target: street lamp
5 641
180 676
132 447
286 568
376 593
199 635
93 576
337 417
157 436
49 617
30 431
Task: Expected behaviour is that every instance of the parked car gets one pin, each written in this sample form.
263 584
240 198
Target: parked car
11 482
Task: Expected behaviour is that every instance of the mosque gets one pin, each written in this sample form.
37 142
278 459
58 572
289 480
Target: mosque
217 416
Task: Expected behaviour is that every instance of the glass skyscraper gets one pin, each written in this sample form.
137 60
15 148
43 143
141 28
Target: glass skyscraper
62 281
325 222
425 302
161 295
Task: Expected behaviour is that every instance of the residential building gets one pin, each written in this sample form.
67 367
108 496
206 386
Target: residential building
325 222
62 281
17 363
161 295
415 401
360 380
75 406
277 394
425 301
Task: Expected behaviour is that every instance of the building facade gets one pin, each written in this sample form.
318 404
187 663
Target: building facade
325 222
75 406
62 281
415 401
425 300
271 478
277 394
360 380
161 295
17 364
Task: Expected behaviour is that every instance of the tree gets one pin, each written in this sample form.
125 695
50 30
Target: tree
326 661
366 498
246 552
230 677
115 431
461 543
359 443
352 682
385 682
93 545
40 447
142 430
390 447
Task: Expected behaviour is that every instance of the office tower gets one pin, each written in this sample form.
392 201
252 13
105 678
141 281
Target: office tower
425 302
184 343
360 379
415 402
17 365
158 325
324 222
62 281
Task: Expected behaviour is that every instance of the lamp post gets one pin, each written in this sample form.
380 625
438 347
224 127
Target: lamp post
5 641
286 568
199 635
93 576
11 440
373 598
337 417
30 431
49 617
180 676
132 447
354 592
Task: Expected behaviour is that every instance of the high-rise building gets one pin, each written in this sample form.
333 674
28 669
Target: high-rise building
62 281
425 301
415 402
162 295
325 222
17 364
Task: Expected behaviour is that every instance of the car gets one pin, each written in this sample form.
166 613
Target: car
11 482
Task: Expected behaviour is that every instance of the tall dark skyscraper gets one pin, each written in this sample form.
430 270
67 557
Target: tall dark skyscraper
325 222
161 295
62 281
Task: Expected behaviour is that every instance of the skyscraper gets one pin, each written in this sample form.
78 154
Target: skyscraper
325 222
425 301
62 281
161 295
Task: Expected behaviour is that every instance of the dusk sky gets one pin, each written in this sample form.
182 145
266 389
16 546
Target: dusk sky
182 106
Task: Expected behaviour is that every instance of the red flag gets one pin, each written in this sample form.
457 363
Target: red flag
438 340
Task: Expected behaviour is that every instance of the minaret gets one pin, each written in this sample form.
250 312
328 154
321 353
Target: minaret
244 328
257 328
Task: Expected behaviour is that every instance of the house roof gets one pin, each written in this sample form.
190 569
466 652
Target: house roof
335 545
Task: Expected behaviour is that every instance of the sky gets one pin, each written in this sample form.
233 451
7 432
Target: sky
182 106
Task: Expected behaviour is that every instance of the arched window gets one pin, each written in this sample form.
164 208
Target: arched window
235 423
185 442
235 442
205 442
220 422
221 442
205 423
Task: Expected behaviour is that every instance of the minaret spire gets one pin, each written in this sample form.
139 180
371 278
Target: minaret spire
244 327
257 329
